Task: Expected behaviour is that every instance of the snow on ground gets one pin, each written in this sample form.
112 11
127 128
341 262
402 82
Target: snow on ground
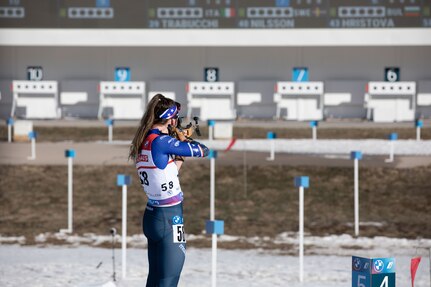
308 146
327 262
90 266
305 146
323 245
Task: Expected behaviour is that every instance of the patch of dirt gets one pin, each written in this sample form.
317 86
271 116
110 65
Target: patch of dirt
33 200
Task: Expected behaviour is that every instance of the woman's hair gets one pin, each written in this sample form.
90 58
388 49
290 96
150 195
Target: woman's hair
155 108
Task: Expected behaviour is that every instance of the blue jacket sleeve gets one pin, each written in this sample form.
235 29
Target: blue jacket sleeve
164 145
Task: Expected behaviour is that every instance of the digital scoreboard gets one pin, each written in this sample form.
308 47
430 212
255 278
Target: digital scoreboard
215 14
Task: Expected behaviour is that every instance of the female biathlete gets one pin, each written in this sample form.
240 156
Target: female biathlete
158 158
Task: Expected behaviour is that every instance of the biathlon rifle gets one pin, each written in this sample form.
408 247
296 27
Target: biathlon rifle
185 133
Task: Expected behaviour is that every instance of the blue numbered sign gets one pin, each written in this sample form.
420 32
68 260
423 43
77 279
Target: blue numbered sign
282 3
361 276
300 74
383 272
211 74
122 74
376 272
392 74
35 73
103 3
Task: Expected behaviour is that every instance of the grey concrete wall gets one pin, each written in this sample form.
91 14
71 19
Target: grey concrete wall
155 64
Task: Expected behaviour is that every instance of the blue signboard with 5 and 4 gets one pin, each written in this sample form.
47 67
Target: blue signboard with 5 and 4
375 272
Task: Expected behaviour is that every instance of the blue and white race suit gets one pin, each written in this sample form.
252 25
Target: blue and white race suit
163 222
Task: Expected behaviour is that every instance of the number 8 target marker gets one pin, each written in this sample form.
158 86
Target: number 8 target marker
211 74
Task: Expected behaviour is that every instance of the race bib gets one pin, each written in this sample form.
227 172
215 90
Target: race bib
179 233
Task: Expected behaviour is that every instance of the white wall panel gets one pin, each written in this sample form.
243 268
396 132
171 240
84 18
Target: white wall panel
216 38
235 64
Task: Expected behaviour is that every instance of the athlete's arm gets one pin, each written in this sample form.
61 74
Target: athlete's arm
170 145
164 145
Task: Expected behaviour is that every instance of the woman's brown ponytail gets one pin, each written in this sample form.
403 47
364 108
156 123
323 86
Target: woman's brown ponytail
155 107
